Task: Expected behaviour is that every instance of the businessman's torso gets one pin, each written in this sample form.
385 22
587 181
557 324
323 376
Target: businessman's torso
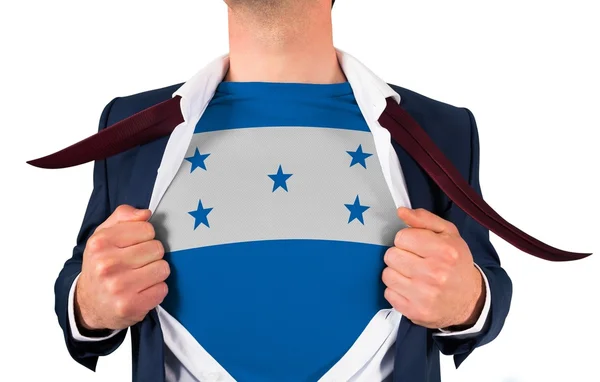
132 174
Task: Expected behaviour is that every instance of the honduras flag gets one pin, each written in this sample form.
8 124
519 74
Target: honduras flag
275 227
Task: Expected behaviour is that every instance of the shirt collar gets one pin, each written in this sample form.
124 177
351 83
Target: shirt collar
369 90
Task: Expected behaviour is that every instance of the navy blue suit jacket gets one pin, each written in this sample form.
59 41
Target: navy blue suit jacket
128 178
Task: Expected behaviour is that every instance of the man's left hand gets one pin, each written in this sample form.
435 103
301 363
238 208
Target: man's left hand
430 275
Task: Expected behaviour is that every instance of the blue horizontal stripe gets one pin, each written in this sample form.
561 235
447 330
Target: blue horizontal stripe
266 104
277 310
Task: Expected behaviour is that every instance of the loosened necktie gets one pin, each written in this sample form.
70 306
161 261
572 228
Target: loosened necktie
161 119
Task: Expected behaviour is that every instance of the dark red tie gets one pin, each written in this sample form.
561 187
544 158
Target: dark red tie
160 120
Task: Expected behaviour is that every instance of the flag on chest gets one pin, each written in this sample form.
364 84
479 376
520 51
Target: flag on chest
275 233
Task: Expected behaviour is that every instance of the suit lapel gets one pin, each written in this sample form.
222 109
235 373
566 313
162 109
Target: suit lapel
174 152
147 337
418 184
144 173
155 167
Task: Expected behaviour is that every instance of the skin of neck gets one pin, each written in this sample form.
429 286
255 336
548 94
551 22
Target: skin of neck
282 41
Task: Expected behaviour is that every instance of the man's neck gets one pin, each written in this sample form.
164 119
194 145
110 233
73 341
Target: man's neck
295 45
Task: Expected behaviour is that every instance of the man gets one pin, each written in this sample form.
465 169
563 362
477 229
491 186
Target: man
277 234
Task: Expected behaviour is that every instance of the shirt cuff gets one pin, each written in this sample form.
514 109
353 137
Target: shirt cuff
73 323
475 329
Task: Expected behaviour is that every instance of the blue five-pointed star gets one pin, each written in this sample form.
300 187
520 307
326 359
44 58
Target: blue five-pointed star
280 179
356 211
359 157
197 160
200 215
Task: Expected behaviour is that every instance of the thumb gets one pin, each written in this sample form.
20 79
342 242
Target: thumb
407 216
421 218
124 213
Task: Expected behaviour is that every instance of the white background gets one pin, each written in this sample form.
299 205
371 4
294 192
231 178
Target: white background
527 69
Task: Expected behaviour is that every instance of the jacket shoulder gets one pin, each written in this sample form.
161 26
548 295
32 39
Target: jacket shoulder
126 106
420 106
452 128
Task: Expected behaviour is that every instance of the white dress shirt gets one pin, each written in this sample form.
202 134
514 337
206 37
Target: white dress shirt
371 358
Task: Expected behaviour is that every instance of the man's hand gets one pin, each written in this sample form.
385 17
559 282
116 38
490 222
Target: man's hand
123 272
430 275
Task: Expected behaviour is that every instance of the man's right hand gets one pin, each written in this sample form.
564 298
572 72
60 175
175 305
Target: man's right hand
123 272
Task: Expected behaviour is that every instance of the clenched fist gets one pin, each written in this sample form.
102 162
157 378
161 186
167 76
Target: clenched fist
123 272
430 276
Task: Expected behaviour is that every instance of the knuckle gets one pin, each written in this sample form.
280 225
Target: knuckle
441 278
160 249
389 295
387 276
97 241
448 251
163 290
421 212
452 254
164 269
113 286
451 227
121 209
389 255
392 298
148 229
400 237
104 267
123 308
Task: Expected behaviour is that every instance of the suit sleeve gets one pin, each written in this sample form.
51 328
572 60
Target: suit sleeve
98 210
485 256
